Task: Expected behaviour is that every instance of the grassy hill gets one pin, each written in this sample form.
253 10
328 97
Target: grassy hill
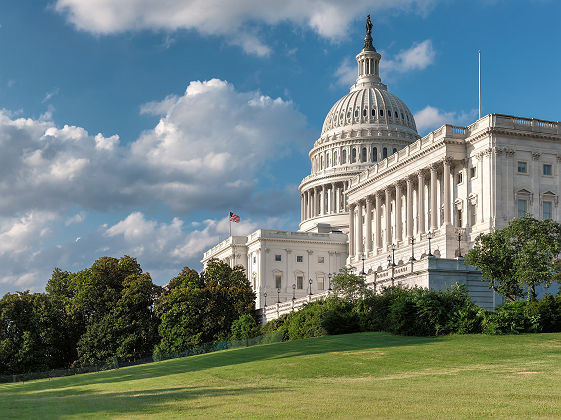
355 375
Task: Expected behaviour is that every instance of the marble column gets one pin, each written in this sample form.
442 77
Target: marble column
398 219
433 196
388 215
332 199
421 202
446 182
302 207
368 225
351 231
378 232
409 207
359 233
323 199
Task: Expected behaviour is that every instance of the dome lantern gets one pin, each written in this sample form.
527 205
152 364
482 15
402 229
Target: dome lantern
368 61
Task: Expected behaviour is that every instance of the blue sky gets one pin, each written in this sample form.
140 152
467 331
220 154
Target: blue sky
135 126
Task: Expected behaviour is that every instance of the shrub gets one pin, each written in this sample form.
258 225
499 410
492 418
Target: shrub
509 318
244 327
307 322
341 319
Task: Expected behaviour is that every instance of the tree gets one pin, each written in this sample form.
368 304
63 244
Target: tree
198 309
519 257
350 286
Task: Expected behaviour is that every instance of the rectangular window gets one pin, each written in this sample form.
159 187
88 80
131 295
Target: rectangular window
459 178
547 210
278 281
472 214
459 220
547 169
277 257
321 260
299 258
473 171
300 282
522 167
522 208
254 259
321 282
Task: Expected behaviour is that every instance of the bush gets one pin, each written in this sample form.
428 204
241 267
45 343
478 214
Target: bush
307 322
244 327
341 319
509 318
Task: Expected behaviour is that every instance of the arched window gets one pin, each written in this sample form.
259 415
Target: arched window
335 158
374 154
363 155
321 163
394 150
373 112
395 113
356 113
343 157
384 152
353 155
381 112
364 112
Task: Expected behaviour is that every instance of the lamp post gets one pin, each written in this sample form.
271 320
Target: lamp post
329 284
459 231
311 287
278 295
265 296
293 292
389 260
393 254
362 273
429 237
412 242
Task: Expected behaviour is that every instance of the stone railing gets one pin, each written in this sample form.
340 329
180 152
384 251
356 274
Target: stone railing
274 311
232 240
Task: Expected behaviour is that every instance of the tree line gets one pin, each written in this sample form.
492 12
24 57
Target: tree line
114 310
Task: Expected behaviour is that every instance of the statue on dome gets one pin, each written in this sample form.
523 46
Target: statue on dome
368 38
368 25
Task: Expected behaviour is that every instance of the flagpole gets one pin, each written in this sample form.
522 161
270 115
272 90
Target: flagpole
230 221
479 56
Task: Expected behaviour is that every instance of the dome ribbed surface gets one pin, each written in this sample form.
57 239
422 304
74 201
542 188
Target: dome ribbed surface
370 106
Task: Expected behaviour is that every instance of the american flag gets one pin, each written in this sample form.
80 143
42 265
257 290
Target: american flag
234 218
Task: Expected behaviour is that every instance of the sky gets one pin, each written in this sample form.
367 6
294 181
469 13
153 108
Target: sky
134 127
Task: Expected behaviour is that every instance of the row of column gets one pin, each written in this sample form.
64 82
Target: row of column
323 200
380 202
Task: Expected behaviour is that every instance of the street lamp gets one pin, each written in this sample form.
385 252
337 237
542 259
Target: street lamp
459 232
265 295
429 237
412 242
293 292
278 295
393 254
329 277
363 258
311 287
389 260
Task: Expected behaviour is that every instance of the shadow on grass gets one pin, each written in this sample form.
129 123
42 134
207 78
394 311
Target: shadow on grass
326 344
86 403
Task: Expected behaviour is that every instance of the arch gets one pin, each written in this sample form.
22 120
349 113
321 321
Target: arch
384 152
335 158
343 156
321 163
363 155
374 154
353 155
394 150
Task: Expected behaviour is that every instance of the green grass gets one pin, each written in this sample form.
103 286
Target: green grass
352 376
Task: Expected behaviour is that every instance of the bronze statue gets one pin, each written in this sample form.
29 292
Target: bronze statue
368 25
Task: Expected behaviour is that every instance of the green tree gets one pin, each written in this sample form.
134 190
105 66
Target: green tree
519 257
199 309
350 286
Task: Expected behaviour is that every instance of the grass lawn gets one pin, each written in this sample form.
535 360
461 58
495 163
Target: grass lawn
352 376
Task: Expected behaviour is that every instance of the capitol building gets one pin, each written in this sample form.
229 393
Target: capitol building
398 208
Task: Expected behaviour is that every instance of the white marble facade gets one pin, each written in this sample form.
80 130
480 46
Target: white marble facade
376 186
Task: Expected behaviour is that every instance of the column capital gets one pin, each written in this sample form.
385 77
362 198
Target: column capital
447 160
434 166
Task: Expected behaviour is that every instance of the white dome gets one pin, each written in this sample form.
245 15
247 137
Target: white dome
371 106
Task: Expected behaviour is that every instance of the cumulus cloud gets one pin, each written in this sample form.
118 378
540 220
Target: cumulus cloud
417 57
430 118
211 136
238 22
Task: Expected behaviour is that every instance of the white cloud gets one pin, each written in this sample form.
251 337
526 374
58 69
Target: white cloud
346 73
430 118
417 57
205 152
238 22
18 234
77 218
49 95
